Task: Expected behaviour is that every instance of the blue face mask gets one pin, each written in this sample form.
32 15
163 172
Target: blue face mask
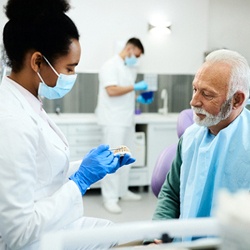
131 61
63 86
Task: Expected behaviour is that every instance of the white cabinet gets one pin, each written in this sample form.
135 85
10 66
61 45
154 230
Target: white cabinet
82 138
138 176
159 136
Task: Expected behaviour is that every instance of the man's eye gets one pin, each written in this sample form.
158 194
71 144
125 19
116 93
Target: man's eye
208 96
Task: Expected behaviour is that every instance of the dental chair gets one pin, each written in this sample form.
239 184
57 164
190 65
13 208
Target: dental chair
166 157
185 119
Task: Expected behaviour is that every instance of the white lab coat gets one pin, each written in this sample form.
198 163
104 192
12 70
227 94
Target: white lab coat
36 195
116 110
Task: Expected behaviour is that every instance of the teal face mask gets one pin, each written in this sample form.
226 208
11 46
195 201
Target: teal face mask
63 86
131 61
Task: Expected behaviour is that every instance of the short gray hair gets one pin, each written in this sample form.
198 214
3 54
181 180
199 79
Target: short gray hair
240 74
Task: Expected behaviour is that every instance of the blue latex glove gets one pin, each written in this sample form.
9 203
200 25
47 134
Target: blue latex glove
126 159
95 165
142 85
142 100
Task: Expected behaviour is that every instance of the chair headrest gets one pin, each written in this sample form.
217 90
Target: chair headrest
185 119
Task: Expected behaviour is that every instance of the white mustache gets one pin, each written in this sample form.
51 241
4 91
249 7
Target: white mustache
200 111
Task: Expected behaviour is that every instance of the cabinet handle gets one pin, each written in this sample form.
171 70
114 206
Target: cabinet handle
87 141
78 130
160 129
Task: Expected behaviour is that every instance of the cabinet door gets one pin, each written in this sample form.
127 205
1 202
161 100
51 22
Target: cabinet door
78 152
85 129
88 140
159 136
138 177
82 138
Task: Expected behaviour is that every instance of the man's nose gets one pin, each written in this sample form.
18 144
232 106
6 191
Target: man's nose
195 101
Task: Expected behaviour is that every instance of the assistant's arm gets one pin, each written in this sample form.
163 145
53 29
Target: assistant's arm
119 90
115 90
168 204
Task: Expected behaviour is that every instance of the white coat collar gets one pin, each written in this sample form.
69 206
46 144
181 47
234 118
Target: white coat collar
53 132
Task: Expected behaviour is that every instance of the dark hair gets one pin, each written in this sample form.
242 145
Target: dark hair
39 25
137 43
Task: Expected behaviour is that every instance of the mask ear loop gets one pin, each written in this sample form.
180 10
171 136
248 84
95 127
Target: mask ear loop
40 77
50 65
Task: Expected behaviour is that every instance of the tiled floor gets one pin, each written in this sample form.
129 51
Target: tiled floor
131 210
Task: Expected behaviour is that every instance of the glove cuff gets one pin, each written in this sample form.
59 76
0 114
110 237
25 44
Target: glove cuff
79 182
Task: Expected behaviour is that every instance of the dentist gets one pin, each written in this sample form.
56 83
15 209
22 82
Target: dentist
40 191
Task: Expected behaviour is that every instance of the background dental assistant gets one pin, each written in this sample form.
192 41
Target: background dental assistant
115 113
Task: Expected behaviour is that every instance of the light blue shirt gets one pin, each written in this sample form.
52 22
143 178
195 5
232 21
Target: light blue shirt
211 163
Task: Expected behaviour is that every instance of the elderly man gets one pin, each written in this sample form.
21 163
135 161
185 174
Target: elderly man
213 153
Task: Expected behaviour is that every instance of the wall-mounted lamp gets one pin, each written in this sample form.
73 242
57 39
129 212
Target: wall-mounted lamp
160 28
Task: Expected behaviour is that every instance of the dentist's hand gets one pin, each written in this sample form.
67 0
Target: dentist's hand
96 164
125 160
142 85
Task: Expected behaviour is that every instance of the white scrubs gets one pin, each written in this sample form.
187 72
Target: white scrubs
116 115
116 185
36 196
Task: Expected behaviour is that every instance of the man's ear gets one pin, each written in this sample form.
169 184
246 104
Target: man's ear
238 99
36 60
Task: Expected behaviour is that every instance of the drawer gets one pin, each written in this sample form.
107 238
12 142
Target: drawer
77 153
86 140
138 177
81 129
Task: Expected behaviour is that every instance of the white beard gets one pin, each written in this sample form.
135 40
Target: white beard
211 120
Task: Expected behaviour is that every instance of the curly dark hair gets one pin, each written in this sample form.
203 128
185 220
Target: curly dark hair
39 25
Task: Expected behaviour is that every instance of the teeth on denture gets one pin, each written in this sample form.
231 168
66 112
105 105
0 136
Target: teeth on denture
122 150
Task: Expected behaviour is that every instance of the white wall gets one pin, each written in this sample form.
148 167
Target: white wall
229 26
197 26
102 23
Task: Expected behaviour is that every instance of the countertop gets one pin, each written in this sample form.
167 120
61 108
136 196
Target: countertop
143 118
